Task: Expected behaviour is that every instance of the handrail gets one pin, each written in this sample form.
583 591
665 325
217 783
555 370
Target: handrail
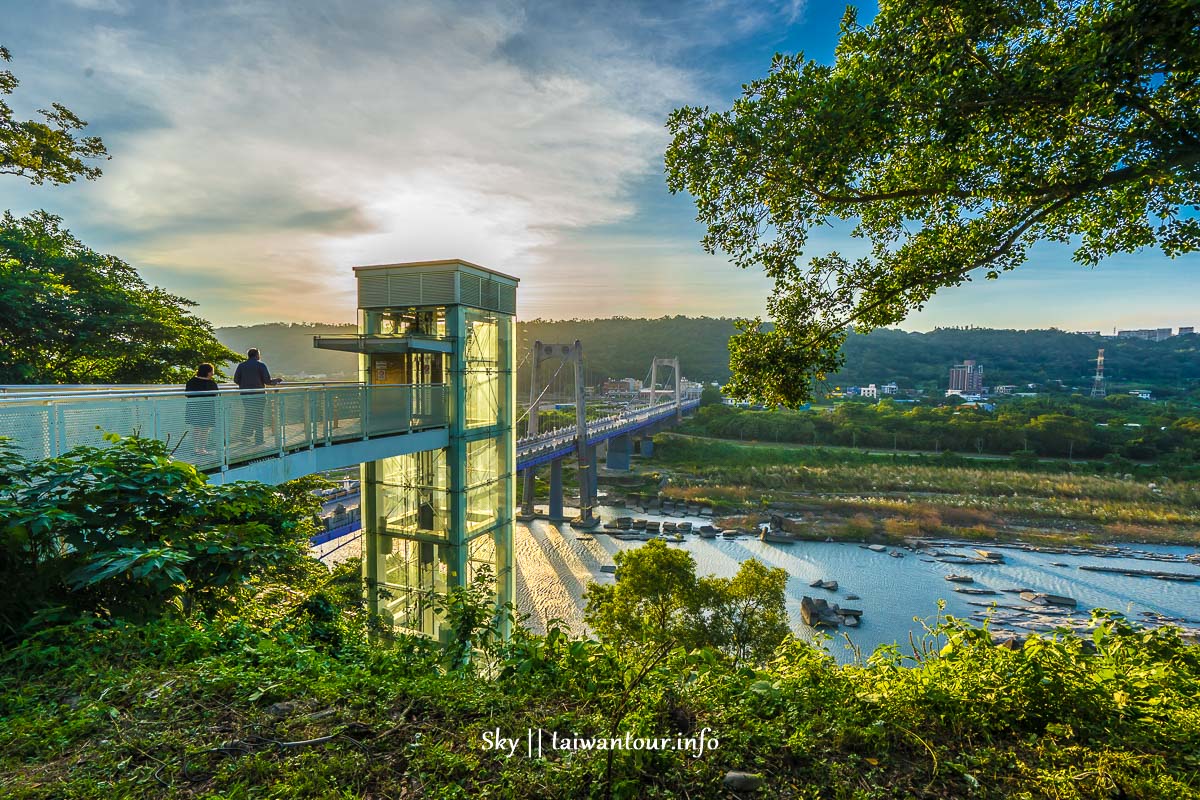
562 436
173 391
229 426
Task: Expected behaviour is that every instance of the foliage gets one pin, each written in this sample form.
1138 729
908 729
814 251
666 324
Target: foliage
744 616
252 703
1046 427
71 315
471 615
287 690
124 531
658 601
653 601
955 136
44 151
710 396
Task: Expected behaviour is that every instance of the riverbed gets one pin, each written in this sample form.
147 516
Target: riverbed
554 567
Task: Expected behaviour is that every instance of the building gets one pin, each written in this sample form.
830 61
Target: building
869 391
1188 331
624 388
1149 334
966 378
1088 333
1142 394
889 388
1006 389
690 390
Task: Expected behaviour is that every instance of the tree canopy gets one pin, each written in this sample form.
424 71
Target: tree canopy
659 601
953 136
47 150
71 315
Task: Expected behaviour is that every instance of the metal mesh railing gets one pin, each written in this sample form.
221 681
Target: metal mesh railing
601 428
223 428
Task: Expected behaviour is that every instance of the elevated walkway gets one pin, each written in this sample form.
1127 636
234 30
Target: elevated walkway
277 434
272 435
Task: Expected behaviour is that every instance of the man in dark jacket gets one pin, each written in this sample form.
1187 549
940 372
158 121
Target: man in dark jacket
252 376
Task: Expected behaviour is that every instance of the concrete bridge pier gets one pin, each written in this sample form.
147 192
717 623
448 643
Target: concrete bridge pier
646 445
525 513
588 488
556 491
620 448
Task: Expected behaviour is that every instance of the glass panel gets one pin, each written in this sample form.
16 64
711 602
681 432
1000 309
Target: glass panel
483 461
484 505
411 571
430 322
413 493
481 552
482 357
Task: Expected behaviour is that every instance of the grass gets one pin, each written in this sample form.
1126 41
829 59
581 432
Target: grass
910 499
261 703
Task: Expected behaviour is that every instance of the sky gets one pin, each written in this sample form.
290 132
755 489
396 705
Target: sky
261 148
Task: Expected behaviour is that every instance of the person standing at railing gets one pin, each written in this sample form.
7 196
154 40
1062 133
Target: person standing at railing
252 377
201 413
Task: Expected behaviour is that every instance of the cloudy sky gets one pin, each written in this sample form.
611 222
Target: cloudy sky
260 148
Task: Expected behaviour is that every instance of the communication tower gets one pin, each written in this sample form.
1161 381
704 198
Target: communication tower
1098 382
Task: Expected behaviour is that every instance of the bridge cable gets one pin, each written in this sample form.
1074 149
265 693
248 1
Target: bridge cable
532 405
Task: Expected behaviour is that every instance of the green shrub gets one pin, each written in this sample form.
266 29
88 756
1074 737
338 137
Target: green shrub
124 531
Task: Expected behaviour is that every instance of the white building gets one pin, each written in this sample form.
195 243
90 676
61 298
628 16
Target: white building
869 391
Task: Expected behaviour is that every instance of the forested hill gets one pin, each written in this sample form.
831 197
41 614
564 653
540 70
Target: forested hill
287 348
620 347
1017 357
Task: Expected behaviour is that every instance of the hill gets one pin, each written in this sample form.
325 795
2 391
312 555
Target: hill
620 347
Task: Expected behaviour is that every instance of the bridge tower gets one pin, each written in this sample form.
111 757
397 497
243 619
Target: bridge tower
433 519
673 363
566 354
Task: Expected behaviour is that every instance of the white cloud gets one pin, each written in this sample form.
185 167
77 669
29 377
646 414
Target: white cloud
295 142
111 6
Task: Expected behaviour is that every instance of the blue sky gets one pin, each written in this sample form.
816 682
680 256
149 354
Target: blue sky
260 149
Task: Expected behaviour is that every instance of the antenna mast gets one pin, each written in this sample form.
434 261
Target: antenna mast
1098 391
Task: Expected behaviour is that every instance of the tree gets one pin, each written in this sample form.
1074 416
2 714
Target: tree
710 396
658 602
653 600
955 134
746 616
48 150
71 315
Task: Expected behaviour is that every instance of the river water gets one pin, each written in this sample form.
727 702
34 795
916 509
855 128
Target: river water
554 567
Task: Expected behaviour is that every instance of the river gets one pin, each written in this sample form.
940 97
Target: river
554 567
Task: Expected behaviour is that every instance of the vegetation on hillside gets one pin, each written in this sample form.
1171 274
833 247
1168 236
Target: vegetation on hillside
619 347
279 685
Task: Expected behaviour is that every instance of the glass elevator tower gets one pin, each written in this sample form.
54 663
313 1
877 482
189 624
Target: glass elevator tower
433 518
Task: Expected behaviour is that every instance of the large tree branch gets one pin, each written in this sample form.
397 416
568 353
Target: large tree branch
1186 157
1002 249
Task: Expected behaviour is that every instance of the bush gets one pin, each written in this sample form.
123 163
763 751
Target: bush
124 531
